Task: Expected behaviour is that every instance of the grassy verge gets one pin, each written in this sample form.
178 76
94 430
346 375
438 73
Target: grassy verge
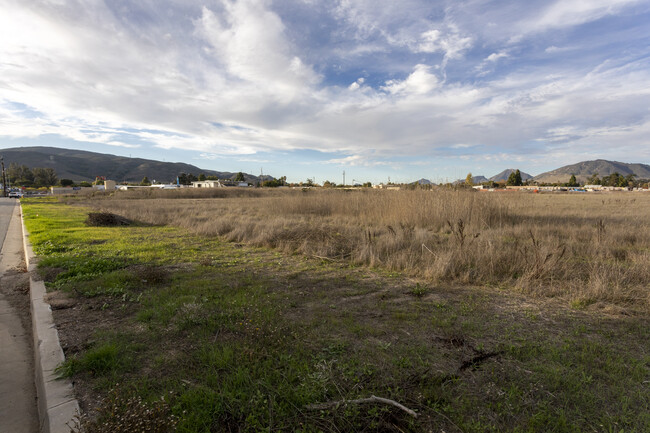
250 339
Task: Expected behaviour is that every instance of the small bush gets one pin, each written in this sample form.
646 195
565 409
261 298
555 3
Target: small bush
105 219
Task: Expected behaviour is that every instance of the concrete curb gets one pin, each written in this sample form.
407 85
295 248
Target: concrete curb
56 403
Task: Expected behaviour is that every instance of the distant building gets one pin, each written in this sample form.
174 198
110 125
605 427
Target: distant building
218 183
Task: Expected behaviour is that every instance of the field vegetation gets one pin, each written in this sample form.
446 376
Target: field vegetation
282 311
589 249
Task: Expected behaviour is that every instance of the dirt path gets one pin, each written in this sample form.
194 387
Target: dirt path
18 413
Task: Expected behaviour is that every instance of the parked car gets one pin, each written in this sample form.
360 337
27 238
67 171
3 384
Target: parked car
15 194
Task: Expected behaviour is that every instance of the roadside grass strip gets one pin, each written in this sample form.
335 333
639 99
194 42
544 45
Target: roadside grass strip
219 336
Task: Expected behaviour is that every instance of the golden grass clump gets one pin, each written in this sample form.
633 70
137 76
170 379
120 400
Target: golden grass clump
590 248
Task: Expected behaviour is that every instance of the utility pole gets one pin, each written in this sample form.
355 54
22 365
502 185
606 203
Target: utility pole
343 177
4 177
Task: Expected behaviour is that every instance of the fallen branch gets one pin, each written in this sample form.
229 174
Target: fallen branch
322 258
371 399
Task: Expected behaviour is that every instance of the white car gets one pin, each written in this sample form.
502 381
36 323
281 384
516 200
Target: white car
15 194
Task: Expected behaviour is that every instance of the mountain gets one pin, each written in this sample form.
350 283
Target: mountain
503 176
81 165
424 181
584 170
476 180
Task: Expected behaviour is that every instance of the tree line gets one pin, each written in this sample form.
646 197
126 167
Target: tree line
37 177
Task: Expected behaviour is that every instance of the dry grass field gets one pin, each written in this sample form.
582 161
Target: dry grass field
591 249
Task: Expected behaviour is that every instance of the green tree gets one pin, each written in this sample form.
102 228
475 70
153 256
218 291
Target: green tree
183 179
468 180
328 184
201 177
614 179
594 179
572 181
240 177
145 181
20 175
66 182
44 176
275 182
309 182
514 179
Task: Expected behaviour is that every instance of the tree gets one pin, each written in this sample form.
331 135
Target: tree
20 175
328 184
468 180
44 176
184 179
572 181
145 181
514 179
275 182
309 182
201 177
66 182
594 179
614 179
240 177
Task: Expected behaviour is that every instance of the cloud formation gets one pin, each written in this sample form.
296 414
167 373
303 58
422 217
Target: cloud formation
366 82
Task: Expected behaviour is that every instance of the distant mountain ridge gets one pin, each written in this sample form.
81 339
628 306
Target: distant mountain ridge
81 165
501 177
505 174
585 169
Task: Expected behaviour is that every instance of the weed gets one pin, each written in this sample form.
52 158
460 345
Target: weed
127 413
419 290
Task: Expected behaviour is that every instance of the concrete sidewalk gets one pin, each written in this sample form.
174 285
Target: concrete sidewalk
18 406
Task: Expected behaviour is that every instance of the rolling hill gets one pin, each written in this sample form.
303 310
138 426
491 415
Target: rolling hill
584 170
80 165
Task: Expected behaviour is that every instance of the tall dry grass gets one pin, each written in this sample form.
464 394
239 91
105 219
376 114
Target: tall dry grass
591 248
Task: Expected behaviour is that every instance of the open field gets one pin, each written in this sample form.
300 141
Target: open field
247 336
589 249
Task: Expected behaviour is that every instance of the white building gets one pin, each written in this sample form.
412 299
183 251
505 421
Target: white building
217 183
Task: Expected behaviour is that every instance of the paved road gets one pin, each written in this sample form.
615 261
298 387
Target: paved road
18 412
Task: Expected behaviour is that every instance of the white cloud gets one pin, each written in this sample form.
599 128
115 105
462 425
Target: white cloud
566 13
451 43
496 56
357 84
420 81
356 161
249 41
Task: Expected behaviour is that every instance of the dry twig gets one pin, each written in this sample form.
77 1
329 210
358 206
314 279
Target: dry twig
371 399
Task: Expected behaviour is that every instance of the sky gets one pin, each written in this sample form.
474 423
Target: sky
378 89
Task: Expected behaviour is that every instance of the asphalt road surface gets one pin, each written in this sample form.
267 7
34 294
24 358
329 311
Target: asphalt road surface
18 413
